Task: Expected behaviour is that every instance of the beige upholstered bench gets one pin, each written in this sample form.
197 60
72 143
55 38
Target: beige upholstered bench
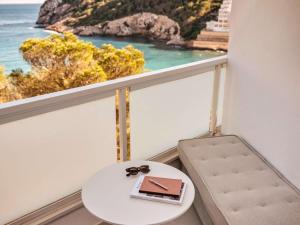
236 185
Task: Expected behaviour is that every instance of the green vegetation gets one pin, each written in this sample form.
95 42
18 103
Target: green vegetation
61 62
191 15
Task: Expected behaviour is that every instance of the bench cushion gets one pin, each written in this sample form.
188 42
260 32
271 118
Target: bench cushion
237 186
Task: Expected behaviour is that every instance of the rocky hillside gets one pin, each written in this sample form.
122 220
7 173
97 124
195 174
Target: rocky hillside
168 20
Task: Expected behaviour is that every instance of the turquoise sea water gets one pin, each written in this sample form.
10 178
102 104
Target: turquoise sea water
17 24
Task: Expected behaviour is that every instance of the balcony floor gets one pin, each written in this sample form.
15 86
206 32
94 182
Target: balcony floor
83 217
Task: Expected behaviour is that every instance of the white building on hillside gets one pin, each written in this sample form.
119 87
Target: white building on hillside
222 25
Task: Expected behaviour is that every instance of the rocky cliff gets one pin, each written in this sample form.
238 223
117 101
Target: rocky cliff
149 25
52 11
170 21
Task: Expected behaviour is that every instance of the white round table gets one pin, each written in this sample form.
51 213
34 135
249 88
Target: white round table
106 195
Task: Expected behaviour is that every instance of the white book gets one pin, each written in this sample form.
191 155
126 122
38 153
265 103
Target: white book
156 197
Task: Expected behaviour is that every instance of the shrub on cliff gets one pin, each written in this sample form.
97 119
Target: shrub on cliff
7 91
120 62
58 62
2 77
61 62
191 15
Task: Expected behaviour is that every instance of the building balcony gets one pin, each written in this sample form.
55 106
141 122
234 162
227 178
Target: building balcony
53 143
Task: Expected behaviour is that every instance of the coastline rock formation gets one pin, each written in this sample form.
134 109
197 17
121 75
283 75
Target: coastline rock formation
170 21
147 25
52 11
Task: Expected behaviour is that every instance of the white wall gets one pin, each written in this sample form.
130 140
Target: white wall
262 99
49 156
178 110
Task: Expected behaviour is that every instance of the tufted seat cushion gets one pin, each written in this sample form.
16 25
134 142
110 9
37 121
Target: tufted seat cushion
237 186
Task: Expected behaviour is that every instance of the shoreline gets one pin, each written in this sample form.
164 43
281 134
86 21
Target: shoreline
143 39
158 54
159 44
150 23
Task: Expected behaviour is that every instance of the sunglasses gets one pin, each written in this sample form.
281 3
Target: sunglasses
136 170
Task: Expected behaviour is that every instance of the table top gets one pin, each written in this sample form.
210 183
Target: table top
106 195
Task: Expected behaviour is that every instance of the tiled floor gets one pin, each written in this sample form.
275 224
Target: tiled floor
83 217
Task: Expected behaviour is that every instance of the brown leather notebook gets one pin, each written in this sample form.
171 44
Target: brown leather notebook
162 186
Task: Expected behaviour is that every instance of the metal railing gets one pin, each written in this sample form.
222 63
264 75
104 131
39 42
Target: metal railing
24 108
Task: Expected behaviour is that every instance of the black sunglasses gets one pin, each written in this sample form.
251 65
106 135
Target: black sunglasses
136 170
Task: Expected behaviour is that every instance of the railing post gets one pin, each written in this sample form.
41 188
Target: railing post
215 99
122 124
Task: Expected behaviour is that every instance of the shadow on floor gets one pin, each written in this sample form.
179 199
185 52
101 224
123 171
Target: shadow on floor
83 217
